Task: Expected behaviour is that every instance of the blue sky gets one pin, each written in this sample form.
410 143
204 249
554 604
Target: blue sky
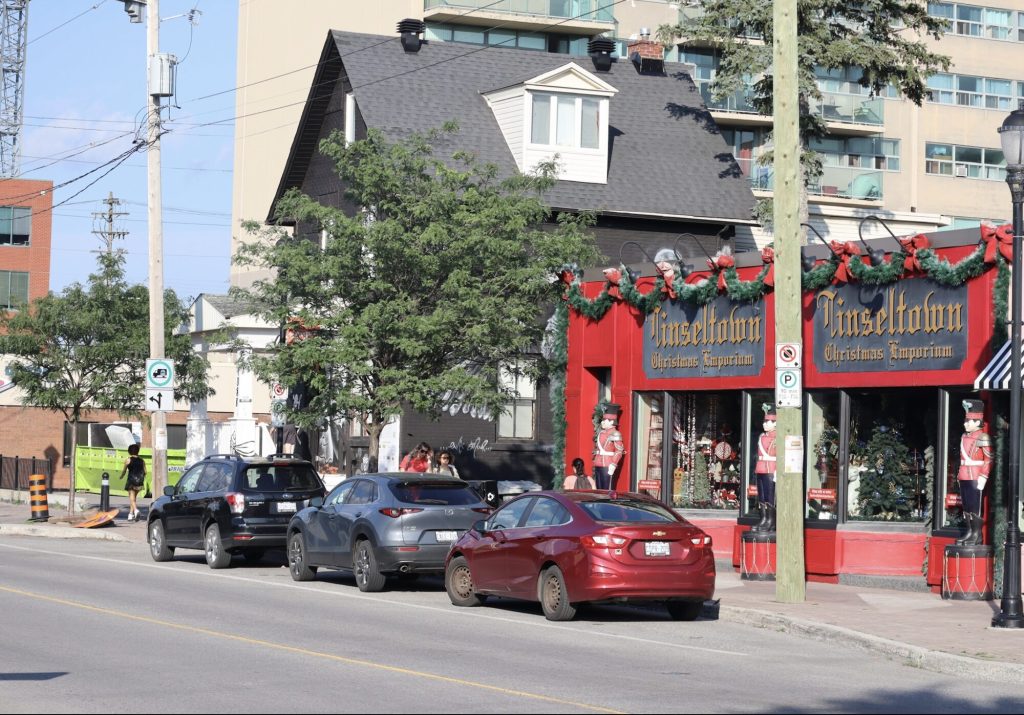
85 85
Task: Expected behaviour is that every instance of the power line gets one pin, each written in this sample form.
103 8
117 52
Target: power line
66 22
134 166
76 152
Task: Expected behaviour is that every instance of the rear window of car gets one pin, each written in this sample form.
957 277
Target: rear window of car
446 494
281 478
626 510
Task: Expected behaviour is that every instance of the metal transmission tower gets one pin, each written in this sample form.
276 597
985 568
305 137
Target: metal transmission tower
13 29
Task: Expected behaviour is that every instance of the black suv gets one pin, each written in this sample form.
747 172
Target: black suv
228 505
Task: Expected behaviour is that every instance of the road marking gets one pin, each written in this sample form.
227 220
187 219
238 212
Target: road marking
306 651
358 596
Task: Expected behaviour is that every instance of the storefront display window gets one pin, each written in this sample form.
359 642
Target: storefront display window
705 454
649 443
822 466
755 425
892 450
952 511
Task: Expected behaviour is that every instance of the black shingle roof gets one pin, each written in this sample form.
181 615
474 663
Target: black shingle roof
667 155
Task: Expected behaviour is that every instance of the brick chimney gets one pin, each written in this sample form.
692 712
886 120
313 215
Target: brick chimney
645 53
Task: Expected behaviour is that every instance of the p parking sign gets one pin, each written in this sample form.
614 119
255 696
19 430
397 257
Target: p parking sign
787 387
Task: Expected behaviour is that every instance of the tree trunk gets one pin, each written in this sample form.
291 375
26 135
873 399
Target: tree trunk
373 430
71 482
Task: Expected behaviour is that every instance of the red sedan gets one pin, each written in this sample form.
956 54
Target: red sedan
564 549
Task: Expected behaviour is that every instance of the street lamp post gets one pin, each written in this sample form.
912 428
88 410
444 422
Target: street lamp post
1011 135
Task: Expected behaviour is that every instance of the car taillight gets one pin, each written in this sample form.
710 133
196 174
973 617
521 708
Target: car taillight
483 509
236 501
603 540
702 540
395 513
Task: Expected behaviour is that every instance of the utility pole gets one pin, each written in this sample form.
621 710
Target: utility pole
789 488
109 234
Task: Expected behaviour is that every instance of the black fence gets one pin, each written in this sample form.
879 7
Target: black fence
15 471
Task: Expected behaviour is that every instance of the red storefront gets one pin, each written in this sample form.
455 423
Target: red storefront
889 353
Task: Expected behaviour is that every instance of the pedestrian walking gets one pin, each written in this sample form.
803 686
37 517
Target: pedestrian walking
136 470
578 479
418 460
446 465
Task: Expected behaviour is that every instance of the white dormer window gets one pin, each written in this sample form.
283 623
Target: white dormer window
564 120
562 115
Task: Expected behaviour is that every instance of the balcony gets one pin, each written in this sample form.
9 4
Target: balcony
851 113
835 182
574 16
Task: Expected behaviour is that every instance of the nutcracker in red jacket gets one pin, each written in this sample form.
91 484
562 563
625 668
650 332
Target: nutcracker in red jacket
609 450
975 465
764 470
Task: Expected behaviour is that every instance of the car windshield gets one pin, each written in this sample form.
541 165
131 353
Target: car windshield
281 478
444 493
627 510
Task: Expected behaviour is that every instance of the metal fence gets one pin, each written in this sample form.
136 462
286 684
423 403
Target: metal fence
15 471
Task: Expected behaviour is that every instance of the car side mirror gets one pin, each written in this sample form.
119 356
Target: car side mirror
169 491
480 527
317 502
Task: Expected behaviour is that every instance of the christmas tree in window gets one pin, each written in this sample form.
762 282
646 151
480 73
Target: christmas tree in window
887 487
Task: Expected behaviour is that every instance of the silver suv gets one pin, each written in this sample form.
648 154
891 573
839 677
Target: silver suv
375 525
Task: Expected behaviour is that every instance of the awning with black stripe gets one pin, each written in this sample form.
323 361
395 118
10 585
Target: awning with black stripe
996 375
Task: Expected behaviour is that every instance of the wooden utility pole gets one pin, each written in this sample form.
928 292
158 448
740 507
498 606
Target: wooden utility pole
789 486
109 234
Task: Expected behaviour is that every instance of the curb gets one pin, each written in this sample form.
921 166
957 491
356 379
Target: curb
59 532
916 656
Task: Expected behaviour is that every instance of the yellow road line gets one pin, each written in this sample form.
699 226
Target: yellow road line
305 651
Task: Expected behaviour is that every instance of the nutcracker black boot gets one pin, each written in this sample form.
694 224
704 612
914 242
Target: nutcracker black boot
759 526
770 525
968 530
976 534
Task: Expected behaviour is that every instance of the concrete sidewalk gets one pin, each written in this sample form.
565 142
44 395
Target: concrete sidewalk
919 628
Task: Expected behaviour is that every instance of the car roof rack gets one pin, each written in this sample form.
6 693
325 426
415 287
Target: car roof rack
283 455
223 456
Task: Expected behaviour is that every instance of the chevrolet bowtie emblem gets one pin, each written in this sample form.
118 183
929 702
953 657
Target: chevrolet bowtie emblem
660 533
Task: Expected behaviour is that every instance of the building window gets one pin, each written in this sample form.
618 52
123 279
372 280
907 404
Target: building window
13 290
976 21
859 152
521 39
571 121
517 419
15 225
970 91
964 161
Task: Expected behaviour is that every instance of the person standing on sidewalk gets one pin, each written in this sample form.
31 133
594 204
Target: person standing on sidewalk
136 469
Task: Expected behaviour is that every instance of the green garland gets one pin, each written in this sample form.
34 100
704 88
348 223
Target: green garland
999 304
882 274
559 363
820 276
745 290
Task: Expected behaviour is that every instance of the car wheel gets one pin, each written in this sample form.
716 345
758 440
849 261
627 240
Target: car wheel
684 610
458 582
216 556
553 595
297 564
368 576
158 547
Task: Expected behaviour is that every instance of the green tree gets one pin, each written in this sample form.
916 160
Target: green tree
428 286
885 39
86 348
888 489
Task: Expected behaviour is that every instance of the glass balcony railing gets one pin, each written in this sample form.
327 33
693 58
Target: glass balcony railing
589 10
850 108
736 102
842 182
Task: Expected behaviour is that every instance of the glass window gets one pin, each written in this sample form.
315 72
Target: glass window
650 427
565 123
13 289
941 9
508 516
822 466
340 492
546 512
190 480
441 33
216 477
968 153
590 124
281 478
364 492
504 38
532 41
443 493
15 225
753 430
517 419
541 132
625 509
705 453
474 36
892 437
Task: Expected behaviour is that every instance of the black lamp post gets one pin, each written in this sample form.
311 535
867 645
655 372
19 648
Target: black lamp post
1011 135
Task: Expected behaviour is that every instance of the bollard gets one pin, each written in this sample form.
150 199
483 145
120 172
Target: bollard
105 492
37 498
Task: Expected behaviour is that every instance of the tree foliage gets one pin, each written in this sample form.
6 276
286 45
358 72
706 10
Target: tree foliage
85 349
420 289
885 39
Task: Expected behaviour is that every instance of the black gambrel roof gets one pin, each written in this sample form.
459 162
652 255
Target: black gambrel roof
668 158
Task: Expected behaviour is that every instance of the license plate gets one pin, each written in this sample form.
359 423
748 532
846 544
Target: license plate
285 507
446 536
656 548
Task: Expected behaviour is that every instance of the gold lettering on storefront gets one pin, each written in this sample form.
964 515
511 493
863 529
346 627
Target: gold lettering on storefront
707 328
893 319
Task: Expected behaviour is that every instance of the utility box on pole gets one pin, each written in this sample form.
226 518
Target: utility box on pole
162 69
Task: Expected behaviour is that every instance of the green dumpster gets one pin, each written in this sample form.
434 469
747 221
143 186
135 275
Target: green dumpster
91 462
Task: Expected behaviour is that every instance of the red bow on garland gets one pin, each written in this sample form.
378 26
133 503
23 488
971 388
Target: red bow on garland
844 251
910 247
614 277
997 239
768 257
720 263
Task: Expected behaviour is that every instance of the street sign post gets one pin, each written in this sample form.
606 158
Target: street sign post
159 374
277 417
787 387
159 400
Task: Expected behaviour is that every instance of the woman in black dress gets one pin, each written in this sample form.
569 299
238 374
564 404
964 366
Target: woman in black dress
136 469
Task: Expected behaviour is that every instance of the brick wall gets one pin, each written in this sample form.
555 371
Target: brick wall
34 258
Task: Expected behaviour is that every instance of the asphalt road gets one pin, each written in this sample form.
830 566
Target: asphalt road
92 626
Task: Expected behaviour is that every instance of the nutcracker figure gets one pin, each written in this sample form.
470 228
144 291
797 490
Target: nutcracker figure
764 469
975 465
609 450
